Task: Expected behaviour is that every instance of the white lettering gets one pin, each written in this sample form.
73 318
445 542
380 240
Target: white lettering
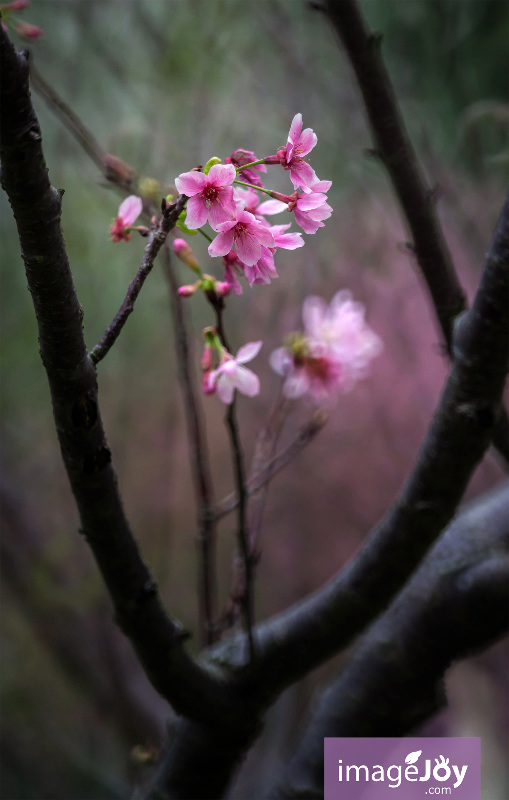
411 770
391 778
357 771
340 769
459 775
378 773
425 777
442 765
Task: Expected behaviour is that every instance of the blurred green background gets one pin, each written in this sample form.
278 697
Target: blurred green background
165 85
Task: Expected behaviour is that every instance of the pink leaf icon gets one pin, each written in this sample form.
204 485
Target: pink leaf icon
412 757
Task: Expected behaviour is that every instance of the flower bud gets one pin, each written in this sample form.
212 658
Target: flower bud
188 290
183 251
223 288
210 163
28 31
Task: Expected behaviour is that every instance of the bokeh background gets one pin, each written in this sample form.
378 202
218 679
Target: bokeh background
165 85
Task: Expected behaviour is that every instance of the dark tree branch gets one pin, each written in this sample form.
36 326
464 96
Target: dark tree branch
457 603
156 239
72 379
303 637
102 673
123 176
394 148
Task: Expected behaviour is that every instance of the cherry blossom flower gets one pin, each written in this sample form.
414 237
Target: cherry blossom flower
246 234
241 157
332 354
310 208
128 212
210 196
231 375
291 157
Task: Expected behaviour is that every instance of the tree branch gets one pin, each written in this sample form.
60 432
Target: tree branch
303 637
394 148
72 379
156 239
102 673
457 603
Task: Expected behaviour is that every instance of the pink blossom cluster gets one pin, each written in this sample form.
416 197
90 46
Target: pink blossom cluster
245 239
333 352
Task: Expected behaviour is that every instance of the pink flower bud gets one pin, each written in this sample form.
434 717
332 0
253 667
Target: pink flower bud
188 290
208 385
28 31
183 251
16 5
223 288
206 359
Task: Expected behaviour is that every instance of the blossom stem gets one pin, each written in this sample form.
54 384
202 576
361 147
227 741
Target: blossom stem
246 598
252 164
252 186
209 238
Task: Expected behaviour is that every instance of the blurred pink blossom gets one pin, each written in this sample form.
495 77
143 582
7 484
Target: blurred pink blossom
231 375
210 196
128 212
332 354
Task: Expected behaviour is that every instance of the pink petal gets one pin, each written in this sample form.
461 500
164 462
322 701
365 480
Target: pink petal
296 385
289 241
305 221
247 382
197 212
264 236
225 389
281 361
295 128
302 175
190 183
314 313
130 209
248 352
308 201
222 174
271 207
222 210
321 186
248 249
222 244
307 140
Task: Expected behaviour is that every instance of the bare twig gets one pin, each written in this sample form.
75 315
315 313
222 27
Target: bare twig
66 115
157 238
200 464
246 601
304 436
